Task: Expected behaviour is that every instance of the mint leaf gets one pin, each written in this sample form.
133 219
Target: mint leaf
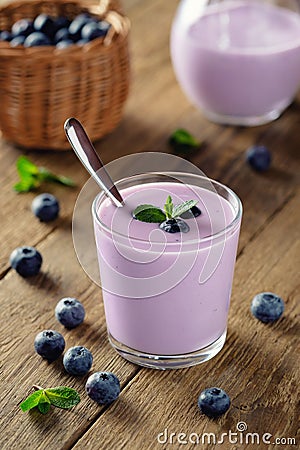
149 213
169 207
46 175
182 141
32 401
32 176
178 210
62 397
26 167
44 403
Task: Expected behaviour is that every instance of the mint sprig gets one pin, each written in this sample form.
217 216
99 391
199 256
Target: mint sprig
183 142
153 214
60 396
32 176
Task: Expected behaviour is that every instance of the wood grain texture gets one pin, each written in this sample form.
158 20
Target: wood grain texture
259 363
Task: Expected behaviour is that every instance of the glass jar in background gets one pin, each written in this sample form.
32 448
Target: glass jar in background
238 61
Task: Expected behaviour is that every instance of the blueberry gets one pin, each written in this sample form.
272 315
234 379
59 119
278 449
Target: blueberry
36 39
93 30
64 43
61 35
259 157
26 261
103 387
213 402
45 207
267 307
78 360
174 226
82 42
45 24
69 312
61 22
49 344
18 40
77 24
5 36
193 212
22 27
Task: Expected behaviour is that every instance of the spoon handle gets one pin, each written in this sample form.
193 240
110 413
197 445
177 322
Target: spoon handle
87 154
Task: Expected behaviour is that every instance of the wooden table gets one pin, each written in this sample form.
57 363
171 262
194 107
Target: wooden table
258 364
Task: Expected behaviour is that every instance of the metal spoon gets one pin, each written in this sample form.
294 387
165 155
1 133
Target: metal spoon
86 152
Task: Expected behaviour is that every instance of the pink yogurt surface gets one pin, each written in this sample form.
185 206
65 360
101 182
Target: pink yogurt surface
239 59
153 300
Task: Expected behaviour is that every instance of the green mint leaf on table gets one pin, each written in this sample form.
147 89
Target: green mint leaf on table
149 213
61 397
44 403
153 214
183 142
31 176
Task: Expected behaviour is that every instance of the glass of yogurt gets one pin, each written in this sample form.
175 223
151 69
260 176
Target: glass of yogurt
238 61
166 293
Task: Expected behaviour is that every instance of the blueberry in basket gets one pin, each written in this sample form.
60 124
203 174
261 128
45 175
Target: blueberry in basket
44 30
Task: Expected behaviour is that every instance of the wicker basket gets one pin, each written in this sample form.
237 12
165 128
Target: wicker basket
40 87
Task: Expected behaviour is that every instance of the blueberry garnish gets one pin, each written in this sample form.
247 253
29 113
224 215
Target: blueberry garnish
26 261
267 307
103 387
193 212
69 312
174 226
78 360
45 207
259 158
49 344
213 402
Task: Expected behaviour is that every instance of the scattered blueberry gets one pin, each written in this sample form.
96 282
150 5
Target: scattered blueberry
259 157
26 261
174 226
69 312
45 207
103 387
18 40
193 212
213 402
93 30
267 307
78 360
49 344
36 39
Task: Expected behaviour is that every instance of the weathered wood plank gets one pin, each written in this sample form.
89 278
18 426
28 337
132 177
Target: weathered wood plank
257 367
27 307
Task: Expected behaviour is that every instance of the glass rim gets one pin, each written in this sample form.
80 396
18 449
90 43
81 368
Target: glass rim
231 226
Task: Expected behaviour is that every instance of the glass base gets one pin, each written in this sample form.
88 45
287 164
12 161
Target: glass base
247 121
164 362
